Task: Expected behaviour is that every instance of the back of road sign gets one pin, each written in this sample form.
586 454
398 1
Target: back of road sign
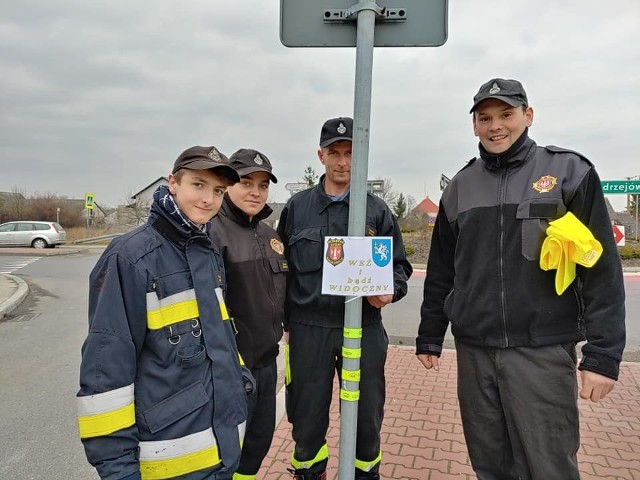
303 23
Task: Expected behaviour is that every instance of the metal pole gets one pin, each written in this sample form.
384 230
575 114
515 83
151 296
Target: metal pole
349 391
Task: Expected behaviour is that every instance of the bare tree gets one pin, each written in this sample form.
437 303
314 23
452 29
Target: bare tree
135 210
17 203
411 202
387 194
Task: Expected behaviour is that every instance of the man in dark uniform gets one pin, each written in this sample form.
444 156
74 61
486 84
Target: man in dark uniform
256 282
315 322
515 322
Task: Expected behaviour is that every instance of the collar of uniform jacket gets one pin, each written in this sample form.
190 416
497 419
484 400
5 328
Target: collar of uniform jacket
325 200
516 154
234 212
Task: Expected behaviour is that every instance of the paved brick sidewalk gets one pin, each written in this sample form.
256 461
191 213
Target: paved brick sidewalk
422 435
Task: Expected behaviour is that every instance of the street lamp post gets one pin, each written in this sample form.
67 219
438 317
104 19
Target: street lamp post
58 215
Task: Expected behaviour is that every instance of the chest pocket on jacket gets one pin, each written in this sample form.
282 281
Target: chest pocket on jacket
306 250
536 215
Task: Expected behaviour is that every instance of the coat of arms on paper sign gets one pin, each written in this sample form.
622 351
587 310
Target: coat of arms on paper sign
381 251
335 252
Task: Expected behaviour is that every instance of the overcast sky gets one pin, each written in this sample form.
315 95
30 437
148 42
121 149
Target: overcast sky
101 97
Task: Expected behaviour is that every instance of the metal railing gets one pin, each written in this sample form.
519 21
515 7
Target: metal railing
95 239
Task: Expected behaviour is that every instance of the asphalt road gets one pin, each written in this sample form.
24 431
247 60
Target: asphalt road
40 358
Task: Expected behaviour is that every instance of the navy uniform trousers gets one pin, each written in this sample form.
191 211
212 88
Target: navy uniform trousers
315 354
519 409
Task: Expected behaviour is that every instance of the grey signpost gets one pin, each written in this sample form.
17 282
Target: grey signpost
444 181
363 24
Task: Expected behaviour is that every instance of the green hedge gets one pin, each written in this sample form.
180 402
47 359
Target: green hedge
629 251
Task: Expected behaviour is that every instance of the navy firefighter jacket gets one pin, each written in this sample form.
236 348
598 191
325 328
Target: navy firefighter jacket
161 386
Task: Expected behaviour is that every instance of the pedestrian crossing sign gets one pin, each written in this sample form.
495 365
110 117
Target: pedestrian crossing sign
88 201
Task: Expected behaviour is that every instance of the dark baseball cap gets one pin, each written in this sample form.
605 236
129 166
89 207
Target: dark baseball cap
335 130
205 158
510 92
247 160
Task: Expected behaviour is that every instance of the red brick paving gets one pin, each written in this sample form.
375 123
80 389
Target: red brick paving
422 435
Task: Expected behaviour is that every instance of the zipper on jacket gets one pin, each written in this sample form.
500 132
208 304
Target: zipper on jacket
269 277
503 299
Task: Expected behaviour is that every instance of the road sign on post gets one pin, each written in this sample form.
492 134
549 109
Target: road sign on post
444 181
618 235
363 24
400 23
88 201
294 188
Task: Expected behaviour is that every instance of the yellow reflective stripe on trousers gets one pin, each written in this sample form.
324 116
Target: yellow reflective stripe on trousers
287 365
322 454
172 309
368 466
105 413
178 456
240 476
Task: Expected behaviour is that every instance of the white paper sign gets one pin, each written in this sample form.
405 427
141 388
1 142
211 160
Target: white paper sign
358 266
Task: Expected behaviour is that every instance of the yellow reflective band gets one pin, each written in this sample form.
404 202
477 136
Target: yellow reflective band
568 242
368 466
322 454
352 332
106 423
240 476
287 365
223 307
351 375
172 309
240 359
105 413
349 396
351 352
178 456
159 469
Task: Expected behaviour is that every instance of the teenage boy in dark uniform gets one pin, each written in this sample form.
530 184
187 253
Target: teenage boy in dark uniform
162 390
256 276
315 322
515 331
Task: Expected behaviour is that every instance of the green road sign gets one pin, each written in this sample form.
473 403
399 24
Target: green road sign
628 187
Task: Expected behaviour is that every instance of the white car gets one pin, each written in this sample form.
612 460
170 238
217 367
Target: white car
34 234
